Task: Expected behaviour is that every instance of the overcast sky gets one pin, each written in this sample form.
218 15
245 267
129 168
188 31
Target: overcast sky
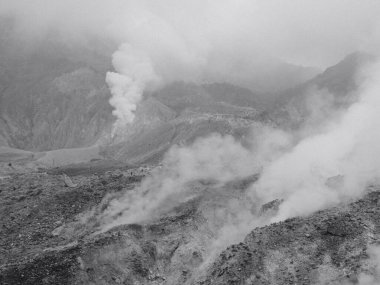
305 32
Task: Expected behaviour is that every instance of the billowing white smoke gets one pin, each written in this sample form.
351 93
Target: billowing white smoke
135 72
330 166
217 159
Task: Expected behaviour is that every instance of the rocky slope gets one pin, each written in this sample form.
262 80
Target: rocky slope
328 247
44 242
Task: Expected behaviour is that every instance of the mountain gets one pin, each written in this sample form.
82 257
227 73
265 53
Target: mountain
179 114
52 94
51 102
332 90
260 72
199 110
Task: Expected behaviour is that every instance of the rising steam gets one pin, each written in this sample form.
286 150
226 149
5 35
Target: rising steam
347 151
217 159
134 72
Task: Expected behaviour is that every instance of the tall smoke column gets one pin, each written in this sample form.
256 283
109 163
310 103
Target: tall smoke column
135 72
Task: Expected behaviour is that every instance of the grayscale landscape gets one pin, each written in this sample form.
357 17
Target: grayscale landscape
189 142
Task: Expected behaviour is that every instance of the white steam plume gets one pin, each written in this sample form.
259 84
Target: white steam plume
347 151
134 73
217 159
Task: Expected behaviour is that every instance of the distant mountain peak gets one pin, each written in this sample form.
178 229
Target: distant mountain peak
340 78
358 57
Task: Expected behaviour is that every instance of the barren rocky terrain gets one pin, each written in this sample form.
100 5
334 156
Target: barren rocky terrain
44 242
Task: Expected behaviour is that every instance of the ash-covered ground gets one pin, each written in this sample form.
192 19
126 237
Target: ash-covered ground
43 240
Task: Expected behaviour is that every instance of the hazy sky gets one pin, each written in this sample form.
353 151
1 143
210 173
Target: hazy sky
306 32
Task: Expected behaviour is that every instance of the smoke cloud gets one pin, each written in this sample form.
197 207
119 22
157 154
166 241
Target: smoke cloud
346 152
216 159
134 72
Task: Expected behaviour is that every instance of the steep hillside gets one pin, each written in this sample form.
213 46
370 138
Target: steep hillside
52 94
332 90
180 113
44 239
199 110
328 247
